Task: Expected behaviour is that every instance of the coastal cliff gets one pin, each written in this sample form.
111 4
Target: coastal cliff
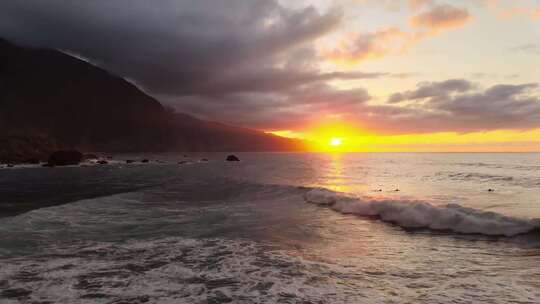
50 100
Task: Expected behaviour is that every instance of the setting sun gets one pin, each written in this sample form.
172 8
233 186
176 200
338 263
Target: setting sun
335 141
336 136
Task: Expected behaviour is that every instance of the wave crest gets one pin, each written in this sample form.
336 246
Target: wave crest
423 214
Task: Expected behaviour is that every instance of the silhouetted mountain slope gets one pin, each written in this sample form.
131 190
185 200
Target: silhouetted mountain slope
199 135
50 100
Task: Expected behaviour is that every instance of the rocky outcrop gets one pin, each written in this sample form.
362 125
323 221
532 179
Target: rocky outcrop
65 158
232 158
89 156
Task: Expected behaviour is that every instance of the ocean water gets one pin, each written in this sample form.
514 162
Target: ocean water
274 228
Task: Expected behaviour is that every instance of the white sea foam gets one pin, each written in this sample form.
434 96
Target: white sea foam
423 214
173 270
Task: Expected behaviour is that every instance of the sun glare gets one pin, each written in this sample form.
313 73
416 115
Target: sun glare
335 136
336 141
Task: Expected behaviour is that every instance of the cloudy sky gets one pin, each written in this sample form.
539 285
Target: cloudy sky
384 75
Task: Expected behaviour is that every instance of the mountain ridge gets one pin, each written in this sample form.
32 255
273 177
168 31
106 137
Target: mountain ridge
50 100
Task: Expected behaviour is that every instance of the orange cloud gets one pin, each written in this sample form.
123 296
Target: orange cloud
357 47
533 13
441 17
510 12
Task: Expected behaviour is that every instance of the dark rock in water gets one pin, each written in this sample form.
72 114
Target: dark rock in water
32 161
397 190
185 155
90 156
102 162
491 190
109 157
144 161
182 162
204 159
10 165
48 165
232 158
129 161
65 158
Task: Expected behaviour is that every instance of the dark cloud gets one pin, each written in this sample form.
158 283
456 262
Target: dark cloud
284 110
175 47
248 62
432 89
267 80
455 105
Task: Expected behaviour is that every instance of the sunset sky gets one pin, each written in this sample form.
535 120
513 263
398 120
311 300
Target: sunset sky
366 75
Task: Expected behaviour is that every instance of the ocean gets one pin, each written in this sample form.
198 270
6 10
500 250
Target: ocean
274 228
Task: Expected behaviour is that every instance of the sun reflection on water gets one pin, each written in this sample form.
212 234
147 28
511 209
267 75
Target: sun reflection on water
335 176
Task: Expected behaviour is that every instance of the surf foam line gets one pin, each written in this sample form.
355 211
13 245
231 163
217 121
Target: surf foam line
423 214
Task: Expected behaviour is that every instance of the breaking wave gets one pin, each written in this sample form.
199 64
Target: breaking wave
423 214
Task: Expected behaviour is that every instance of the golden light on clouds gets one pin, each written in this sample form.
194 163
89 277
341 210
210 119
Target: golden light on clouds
356 47
344 137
